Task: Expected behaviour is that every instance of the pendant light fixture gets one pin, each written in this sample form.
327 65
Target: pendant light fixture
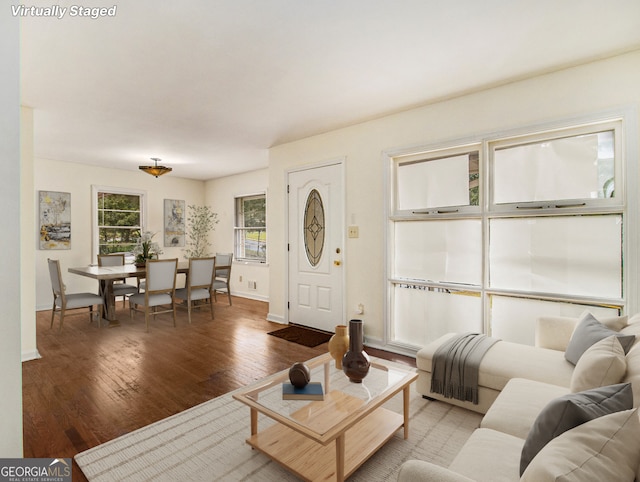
155 170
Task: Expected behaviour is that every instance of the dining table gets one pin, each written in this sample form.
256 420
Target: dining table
107 275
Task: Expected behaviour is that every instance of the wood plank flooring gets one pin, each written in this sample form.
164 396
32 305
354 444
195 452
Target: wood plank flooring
92 385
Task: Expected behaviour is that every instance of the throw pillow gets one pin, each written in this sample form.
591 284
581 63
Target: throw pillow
604 363
615 323
603 449
589 331
568 411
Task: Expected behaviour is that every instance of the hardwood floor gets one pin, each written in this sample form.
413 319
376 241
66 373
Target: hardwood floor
92 385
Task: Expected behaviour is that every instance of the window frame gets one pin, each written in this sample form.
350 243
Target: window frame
434 155
239 229
95 190
616 203
625 126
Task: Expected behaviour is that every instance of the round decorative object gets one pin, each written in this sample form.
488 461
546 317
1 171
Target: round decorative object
299 375
339 344
355 362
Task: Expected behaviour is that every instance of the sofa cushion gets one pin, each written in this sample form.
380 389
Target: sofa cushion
518 405
489 456
633 373
421 471
632 329
603 364
524 361
606 448
571 410
589 331
615 323
554 332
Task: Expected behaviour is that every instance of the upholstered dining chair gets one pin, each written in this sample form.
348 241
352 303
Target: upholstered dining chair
120 287
199 284
222 274
160 290
63 301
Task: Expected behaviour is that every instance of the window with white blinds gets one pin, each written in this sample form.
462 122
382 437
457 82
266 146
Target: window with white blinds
488 236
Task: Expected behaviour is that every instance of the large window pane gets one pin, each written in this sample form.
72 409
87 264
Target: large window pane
576 255
422 314
514 319
443 251
432 183
578 167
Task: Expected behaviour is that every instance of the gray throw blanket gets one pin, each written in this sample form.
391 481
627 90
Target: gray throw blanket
455 366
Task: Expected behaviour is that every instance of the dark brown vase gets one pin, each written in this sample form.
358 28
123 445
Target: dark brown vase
355 362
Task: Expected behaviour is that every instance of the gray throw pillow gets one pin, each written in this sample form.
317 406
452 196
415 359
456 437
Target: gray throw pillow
569 411
590 331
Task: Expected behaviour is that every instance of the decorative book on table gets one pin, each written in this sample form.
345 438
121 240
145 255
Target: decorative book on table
311 391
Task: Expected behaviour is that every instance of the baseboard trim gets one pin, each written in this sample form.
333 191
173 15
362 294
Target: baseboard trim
30 355
276 318
249 295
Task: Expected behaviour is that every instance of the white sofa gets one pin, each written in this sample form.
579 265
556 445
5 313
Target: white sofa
516 383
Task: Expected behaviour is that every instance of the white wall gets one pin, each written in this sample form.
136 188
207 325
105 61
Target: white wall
574 92
27 221
10 246
77 179
220 195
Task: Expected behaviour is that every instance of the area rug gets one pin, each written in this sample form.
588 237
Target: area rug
207 443
302 336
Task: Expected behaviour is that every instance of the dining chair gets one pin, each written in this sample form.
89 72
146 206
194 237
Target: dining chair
199 284
120 287
63 301
160 290
222 274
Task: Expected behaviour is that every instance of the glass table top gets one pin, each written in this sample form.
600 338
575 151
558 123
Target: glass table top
343 400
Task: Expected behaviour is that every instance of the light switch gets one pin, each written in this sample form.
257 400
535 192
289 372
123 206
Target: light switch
354 232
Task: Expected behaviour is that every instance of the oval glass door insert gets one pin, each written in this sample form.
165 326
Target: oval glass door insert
314 227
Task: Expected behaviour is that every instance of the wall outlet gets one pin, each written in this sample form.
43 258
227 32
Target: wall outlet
353 231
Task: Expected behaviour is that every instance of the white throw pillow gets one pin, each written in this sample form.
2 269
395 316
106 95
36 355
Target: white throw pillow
603 363
606 448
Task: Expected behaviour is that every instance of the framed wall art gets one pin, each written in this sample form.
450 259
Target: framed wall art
174 212
55 219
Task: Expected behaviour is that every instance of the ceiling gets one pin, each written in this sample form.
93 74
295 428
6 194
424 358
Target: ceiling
209 86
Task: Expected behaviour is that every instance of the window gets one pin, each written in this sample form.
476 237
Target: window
489 236
118 219
251 228
441 181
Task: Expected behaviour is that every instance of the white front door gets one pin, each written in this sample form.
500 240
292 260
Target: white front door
316 247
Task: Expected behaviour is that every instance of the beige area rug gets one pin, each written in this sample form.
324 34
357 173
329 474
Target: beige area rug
207 442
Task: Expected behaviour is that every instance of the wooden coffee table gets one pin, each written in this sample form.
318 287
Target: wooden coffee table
329 439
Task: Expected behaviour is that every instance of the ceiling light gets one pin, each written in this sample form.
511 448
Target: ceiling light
155 170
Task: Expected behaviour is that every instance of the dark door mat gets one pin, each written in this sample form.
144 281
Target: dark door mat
302 336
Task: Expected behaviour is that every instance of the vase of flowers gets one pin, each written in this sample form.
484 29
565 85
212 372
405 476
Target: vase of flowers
146 248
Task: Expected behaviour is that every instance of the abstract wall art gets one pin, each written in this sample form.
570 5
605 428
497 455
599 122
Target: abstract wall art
55 220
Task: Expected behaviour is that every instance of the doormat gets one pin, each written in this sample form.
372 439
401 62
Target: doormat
302 336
